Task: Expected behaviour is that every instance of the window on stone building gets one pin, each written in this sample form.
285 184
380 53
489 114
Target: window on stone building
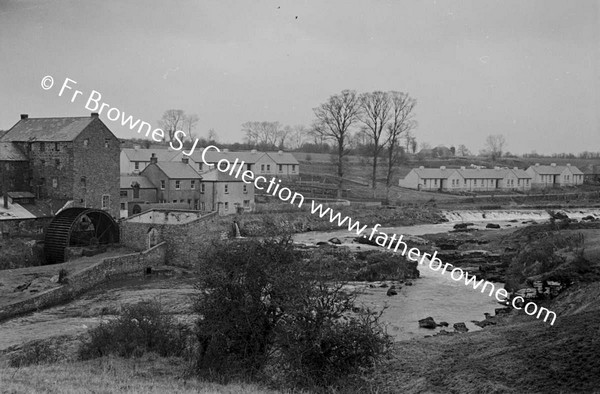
42 147
293 168
202 188
199 166
245 189
177 185
227 206
162 185
83 181
249 167
123 193
56 147
86 142
268 167
246 203
136 192
280 167
123 206
196 204
193 184
226 188
262 168
55 182
136 165
106 142
106 201
202 206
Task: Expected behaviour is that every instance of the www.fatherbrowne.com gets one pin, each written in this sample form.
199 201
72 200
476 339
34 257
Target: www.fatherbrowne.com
394 242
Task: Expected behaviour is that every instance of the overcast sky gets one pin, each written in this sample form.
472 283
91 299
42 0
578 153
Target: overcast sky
527 69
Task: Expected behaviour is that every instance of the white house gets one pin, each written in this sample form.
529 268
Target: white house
553 175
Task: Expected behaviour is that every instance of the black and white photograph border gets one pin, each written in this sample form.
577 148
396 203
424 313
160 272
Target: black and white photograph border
300 197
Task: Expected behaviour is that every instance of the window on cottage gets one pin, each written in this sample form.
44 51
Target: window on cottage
193 184
177 185
136 165
56 147
268 167
202 188
262 168
86 142
162 185
136 192
42 147
203 206
105 201
196 204
293 168
199 166
245 189
83 181
435 182
123 206
226 187
174 201
55 182
123 193
280 168
106 142
190 202
246 203
249 167
227 206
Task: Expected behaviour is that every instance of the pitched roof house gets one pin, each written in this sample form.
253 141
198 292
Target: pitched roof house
553 175
134 160
69 159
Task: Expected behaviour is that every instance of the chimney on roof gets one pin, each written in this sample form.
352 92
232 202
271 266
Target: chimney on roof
136 147
515 168
497 168
463 168
568 164
421 167
442 167
24 116
153 159
253 151
280 152
185 160
537 164
553 164
95 114
225 150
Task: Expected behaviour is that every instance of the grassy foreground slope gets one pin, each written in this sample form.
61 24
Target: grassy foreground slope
113 375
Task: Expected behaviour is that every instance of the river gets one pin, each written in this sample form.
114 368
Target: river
433 294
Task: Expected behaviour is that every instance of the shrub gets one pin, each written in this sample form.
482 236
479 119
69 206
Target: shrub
140 328
36 352
265 310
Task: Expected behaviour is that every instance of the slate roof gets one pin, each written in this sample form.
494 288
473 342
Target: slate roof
555 170
482 173
47 129
218 176
145 154
212 156
433 173
177 170
282 158
521 173
10 152
144 182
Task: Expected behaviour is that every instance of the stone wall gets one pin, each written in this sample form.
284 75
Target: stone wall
187 243
87 278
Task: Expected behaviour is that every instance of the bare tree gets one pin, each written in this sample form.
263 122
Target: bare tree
298 137
462 150
264 134
401 122
375 113
212 135
171 121
494 144
335 117
189 124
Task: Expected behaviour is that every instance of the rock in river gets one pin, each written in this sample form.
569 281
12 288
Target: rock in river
392 291
428 322
492 225
460 327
